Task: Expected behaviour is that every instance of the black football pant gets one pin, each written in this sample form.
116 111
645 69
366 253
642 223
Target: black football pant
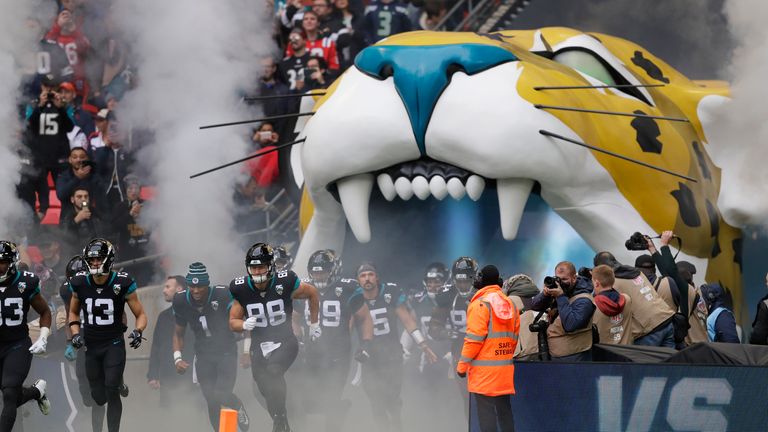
327 377
104 364
97 411
216 374
269 374
494 413
382 382
15 361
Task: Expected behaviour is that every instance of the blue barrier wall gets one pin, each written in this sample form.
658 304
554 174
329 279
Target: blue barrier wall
634 397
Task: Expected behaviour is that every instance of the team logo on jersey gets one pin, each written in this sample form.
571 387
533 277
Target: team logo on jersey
263 293
339 291
388 298
22 286
116 289
99 290
215 305
279 289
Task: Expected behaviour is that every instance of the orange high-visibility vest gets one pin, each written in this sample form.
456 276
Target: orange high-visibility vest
493 326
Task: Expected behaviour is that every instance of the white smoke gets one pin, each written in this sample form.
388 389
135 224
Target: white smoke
194 57
739 143
16 43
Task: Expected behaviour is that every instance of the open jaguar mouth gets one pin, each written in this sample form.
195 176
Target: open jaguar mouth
423 178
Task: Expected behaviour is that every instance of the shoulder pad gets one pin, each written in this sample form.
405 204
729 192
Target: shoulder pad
237 282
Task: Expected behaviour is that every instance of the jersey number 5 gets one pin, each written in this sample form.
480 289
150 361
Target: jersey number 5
380 321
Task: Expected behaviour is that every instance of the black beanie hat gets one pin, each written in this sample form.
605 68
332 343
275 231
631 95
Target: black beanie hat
488 275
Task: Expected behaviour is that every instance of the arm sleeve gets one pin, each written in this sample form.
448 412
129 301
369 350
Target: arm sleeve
725 328
540 302
576 315
477 329
759 335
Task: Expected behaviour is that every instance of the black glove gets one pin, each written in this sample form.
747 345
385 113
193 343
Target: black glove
77 341
362 355
135 338
461 374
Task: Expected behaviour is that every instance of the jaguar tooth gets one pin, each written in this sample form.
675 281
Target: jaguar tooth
420 187
355 194
438 187
386 186
456 188
475 187
403 188
513 194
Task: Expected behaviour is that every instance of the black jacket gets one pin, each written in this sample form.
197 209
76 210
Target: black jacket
759 335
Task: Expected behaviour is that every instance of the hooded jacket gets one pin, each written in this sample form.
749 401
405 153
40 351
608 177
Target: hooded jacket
721 325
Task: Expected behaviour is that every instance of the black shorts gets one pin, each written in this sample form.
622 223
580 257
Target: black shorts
15 361
105 363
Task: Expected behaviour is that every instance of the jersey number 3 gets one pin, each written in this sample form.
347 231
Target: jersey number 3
16 305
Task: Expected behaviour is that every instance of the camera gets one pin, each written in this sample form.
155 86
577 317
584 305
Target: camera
552 281
539 326
636 242
585 272
308 73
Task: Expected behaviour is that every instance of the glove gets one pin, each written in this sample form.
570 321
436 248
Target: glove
315 331
135 338
461 374
250 323
77 341
362 355
42 341
70 352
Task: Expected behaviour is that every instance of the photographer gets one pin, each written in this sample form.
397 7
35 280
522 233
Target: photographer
132 237
569 333
521 290
613 316
316 74
651 317
83 222
48 124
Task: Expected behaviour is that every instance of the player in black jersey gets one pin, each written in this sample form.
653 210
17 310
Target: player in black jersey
383 373
328 359
206 311
104 294
449 318
283 259
18 291
263 305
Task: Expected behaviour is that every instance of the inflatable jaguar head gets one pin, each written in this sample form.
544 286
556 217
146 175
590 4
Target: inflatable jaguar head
396 123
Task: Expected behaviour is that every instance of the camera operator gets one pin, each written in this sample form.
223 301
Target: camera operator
613 316
569 300
521 289
651 317
48 122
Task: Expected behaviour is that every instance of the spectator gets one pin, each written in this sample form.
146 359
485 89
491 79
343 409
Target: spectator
161 374
613 316
132 237
570 333
292 67
101 124
265 136
316 74
66 33
270 86
33 186
350 39
113 163
759 335
81 173
49 122
651 317
84 221
291 16
317 44
721 324
50 245
383 19
83 119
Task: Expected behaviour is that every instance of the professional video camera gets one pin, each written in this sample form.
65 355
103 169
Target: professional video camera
539 327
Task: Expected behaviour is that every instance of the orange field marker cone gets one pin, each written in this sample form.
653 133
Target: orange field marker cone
228 420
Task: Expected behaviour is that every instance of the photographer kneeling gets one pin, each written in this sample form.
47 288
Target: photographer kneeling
568 298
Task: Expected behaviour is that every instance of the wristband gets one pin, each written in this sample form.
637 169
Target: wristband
71 323
176 357
246 345
418 337
44 332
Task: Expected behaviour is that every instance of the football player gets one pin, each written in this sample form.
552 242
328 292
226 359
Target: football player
382 374
328 359
205 310
449 317
18 291
102 294
263 305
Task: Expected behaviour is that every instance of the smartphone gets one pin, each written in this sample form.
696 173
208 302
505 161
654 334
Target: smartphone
265 135
85 204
